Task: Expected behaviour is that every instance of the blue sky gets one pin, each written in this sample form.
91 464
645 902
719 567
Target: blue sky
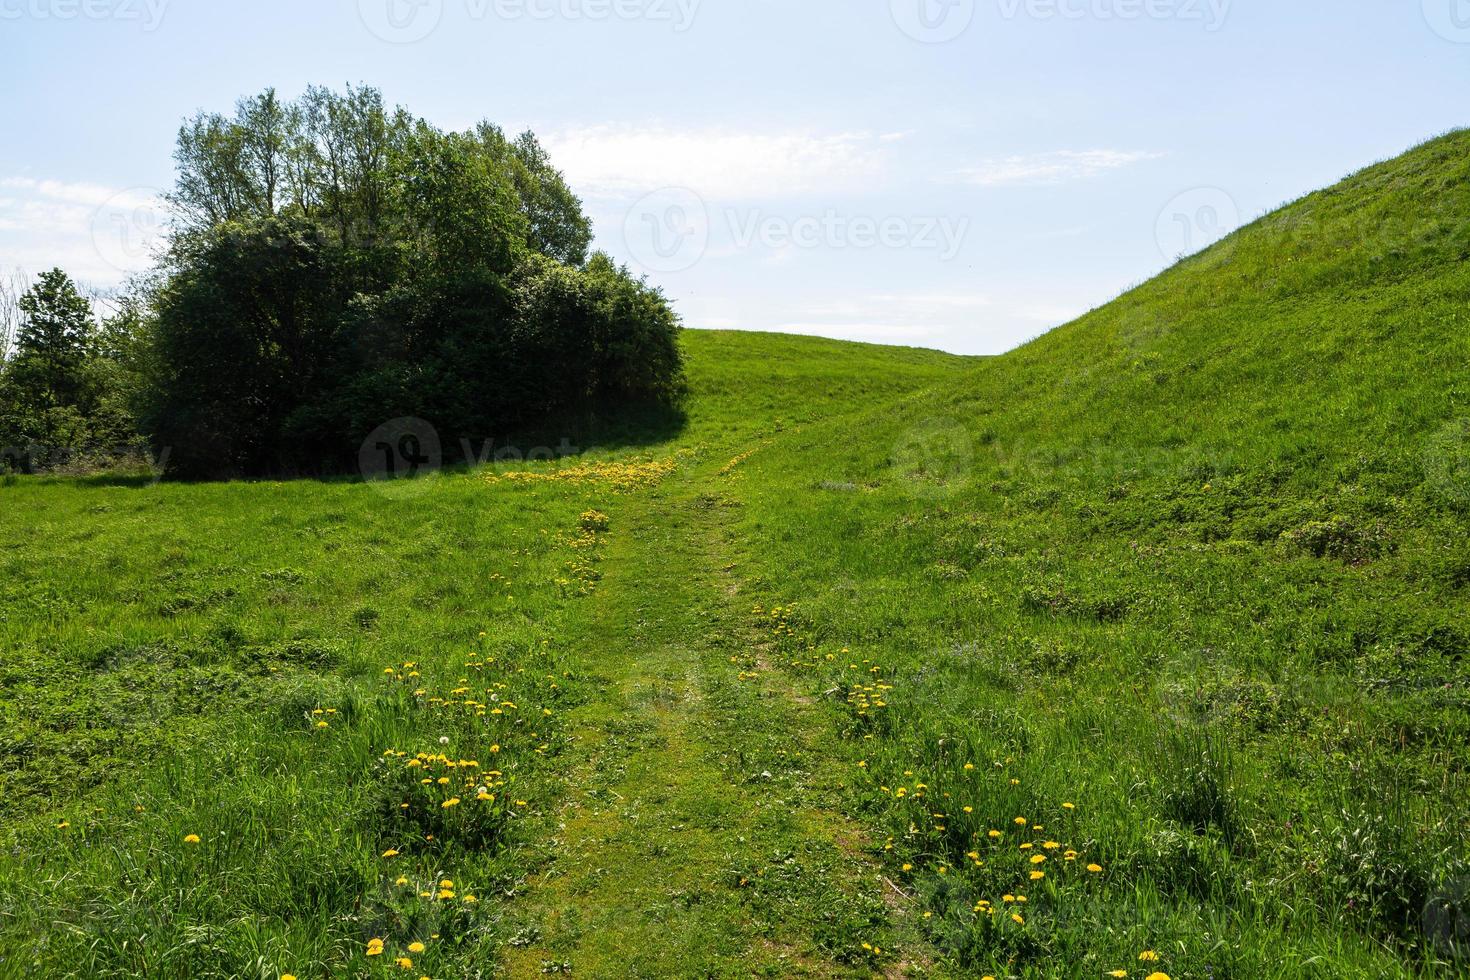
961 174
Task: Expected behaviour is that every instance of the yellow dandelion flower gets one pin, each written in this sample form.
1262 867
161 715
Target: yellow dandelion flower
1158 976
452 801
416 947
1095 868
390 853
1016 918
1037 875
1148 956
191 838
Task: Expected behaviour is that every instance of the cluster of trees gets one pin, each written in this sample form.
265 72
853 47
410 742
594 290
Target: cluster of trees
335 264
65 377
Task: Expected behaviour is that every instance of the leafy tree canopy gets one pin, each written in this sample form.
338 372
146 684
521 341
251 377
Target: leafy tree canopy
336 265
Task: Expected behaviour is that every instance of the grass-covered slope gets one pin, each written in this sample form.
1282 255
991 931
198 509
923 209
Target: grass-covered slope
1335 324
1195 564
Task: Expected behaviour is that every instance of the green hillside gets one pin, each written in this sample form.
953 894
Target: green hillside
1196 562
1140 650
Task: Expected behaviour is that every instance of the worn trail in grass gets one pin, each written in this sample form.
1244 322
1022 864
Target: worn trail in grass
700 834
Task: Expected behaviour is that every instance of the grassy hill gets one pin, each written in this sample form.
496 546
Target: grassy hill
1197 563
1172 599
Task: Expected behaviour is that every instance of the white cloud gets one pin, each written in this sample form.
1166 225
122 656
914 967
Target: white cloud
1049 168
99 234
717 163
80 194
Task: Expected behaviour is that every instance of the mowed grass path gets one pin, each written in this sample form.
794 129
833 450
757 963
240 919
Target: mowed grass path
701 835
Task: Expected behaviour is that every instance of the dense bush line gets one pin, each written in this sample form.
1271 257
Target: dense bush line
334 265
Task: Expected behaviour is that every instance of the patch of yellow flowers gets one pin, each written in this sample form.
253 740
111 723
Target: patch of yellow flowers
619 477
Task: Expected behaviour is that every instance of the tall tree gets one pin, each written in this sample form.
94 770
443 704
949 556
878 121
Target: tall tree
557 227
51 346
231 169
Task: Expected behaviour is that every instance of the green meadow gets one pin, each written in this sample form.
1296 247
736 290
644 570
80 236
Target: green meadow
1138 651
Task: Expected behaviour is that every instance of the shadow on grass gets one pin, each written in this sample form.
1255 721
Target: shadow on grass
567 437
